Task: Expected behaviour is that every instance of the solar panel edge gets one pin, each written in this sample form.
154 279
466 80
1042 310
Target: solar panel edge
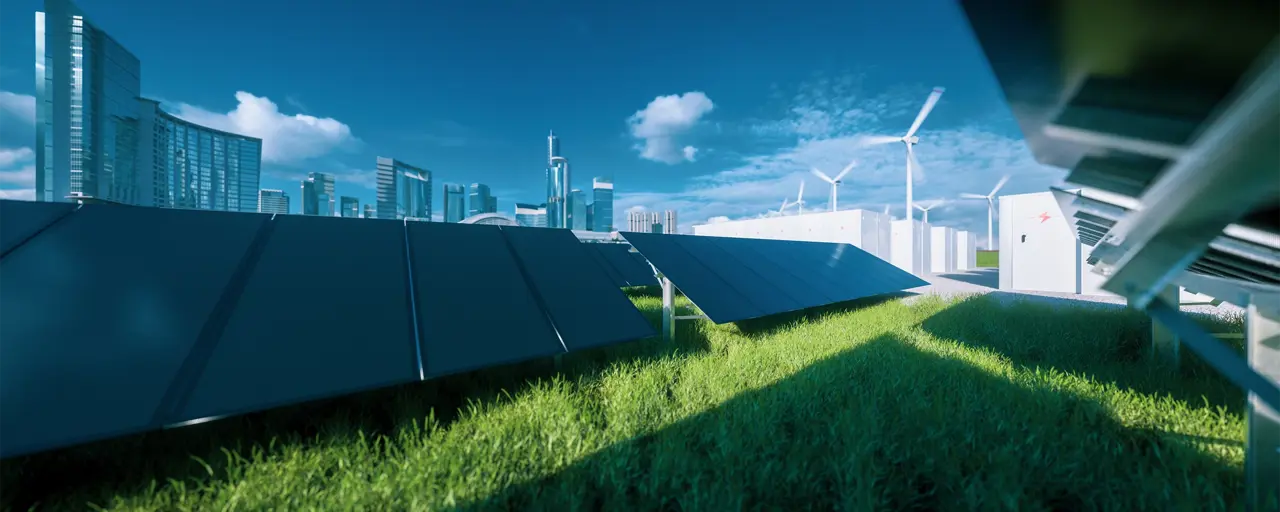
604 263
716 317
719 245
39 231
415 316
188 376
538 298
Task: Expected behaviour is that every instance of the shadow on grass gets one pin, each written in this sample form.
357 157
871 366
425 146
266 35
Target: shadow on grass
985 277
768 325
869 428
133 462
1109 342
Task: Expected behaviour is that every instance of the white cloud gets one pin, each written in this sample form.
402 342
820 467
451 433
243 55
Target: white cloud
21 106
827 130
8 157
28 194
22 177
663 121
285 138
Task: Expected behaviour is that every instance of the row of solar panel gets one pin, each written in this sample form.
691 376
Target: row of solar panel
625 267
119 319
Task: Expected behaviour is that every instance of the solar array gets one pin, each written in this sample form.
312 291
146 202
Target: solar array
120 319
733 279
624 266
1166 116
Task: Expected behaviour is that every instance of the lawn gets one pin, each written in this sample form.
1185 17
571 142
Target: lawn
988 259
942 404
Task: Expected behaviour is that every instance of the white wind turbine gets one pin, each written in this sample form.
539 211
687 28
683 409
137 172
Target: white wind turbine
910 139
926 209
991 205
835 182
783 210
800 200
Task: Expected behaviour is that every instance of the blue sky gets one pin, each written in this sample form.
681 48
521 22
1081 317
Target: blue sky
469 90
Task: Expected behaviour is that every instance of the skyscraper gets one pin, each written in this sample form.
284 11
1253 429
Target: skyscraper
492 205
669 222
591 217
403 190
577 210
480 199
455 207
557 193
553 147
531 215
273 201
96 137
602 204
651 222
350 206
368 211
309 206
324 186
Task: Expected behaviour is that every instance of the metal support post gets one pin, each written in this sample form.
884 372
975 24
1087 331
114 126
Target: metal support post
1262 452
1165 346
668 309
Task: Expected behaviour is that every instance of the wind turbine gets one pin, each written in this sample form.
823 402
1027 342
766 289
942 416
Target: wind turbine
783 209
991 205
835 182
926 209
886 211
910 139
800 200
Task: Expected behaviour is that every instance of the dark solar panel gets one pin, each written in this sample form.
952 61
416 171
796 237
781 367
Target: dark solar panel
98 314
324 313
586 308
635 271
19 220
803 278
475 308
747 277
599 258
717 297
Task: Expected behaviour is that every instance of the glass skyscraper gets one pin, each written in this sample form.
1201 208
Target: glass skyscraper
350 207
557 193
317 194
95 136
403 190
273 201
481 200
577 202
602 205
531 215
368 211
455 206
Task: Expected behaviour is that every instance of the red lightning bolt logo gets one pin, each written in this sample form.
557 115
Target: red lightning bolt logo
1044 216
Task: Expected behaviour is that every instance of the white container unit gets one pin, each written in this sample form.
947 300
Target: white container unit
942 259
863 229
966 250
1039 251
911 241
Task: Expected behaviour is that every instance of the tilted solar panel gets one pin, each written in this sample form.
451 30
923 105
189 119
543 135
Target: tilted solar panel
612 273
586 308
733 279
99 312
474 307
325 312
633 269
19 220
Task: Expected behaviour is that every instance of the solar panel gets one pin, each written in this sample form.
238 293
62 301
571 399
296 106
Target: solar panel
733 279
20 220
474 306
324 313
612 273
586 308
98 314
633 268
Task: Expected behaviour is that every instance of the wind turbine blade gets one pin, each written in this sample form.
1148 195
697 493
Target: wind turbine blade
800 196
876 140
1003 180
917 172
967 195
784 206
924 111
822 175
886 209
846 170
921 208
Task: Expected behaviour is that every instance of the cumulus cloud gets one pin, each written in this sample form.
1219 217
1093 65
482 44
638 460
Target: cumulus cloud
17 174
21 106
663 121
285 138
829 129
8 157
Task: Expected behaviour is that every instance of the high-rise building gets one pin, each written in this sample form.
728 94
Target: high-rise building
368 211
455 206
95 136
273 201
404 191
577 202
323 201
669 222
492 205
651 222
350 206
558 192
591 217
480 200
602 204
531 215
308 206
553 147
324 185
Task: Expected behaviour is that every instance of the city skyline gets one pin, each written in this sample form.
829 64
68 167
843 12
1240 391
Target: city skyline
724 143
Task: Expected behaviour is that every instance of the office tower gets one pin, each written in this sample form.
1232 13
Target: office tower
455 208
480 199
531 215
557 193
553 147
650 222
368 211
669 222
95 137
404 191
273 201
591 217
491 205
324 185
602 204
577 202
350 206
308 206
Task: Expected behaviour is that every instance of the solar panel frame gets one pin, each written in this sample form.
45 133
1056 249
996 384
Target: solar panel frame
22 220
633 269
145 305
718 299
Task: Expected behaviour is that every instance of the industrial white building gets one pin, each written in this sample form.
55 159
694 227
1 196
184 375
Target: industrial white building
1039 252
966 250
943 256
866 230
911 249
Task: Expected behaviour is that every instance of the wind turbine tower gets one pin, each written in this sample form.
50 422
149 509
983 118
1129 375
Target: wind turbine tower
835 182
991 207
909 140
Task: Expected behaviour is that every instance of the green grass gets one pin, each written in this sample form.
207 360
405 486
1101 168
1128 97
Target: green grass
963 405
988 259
